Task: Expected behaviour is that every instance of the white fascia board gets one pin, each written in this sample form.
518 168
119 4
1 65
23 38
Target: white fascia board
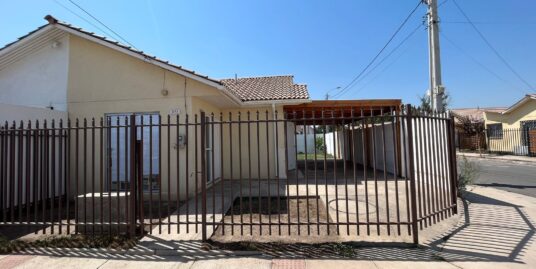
517 104
25 40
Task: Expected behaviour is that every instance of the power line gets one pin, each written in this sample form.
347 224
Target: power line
493 48
490 22
483 66
383 70
349 85
385 58
101 23
84 19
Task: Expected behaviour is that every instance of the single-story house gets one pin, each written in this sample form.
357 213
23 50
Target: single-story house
81 75
469 123
78 74
513 129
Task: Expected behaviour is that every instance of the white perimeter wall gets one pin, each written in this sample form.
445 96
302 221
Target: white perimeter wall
39 79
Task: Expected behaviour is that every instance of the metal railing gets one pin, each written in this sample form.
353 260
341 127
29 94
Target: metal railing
392 172
520 141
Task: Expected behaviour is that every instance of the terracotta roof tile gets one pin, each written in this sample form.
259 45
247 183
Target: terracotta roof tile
266 88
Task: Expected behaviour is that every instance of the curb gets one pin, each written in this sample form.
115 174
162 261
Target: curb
497 158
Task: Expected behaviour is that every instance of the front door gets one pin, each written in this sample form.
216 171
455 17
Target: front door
118 136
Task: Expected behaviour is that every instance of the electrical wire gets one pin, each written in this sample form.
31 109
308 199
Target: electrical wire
82 18
483 66
385 58
352 82
101 23
492 48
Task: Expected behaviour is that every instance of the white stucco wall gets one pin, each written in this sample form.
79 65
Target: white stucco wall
18 113
39 79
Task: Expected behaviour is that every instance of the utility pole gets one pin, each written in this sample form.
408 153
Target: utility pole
437 90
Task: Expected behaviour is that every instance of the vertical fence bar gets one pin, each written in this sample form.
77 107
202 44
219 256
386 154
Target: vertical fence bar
395 121
178 166
411 175
213 176
278 176
231 167
306 172
317 197
60 173
296 173
151 216
93 176
384 157
268 172
374 170
20 155
222 167
187 176
344 168
45 174
203 179
109 171
169 172
67 172
27 165
259 171
101 173
287 157
159 179
126 171
132 174
354 167
250 178
453 167
140 187
335 181
240 179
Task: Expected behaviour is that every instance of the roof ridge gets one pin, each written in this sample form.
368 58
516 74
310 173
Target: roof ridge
254 77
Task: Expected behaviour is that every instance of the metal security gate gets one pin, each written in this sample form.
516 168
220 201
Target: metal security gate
357 172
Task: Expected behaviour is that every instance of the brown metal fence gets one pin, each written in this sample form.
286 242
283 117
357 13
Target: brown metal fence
521 141
372 171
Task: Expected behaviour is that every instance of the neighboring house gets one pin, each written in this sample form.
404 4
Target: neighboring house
469 123
513 129
62 68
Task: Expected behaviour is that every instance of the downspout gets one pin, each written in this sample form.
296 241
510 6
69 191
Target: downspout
276 151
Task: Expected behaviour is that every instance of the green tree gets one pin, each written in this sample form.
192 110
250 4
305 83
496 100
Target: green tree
426 101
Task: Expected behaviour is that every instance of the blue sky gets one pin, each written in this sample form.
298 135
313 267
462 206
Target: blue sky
324 44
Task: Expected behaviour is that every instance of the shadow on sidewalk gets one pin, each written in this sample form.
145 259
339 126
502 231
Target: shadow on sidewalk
491 230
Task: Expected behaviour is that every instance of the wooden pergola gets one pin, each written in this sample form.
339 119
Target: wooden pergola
342 108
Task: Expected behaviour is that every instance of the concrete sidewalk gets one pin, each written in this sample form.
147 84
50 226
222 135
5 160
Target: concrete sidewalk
496 231
511 158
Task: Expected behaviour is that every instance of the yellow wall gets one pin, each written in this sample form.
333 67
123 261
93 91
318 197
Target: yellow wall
102 80
511 124
512 120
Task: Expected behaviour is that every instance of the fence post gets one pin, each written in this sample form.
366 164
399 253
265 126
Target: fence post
411 174
132 185
203 178
453 166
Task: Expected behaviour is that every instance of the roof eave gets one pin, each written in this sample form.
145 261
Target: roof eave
518 104
276 102
139 56
25 39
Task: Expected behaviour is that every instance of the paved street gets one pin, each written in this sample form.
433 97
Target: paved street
518 177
